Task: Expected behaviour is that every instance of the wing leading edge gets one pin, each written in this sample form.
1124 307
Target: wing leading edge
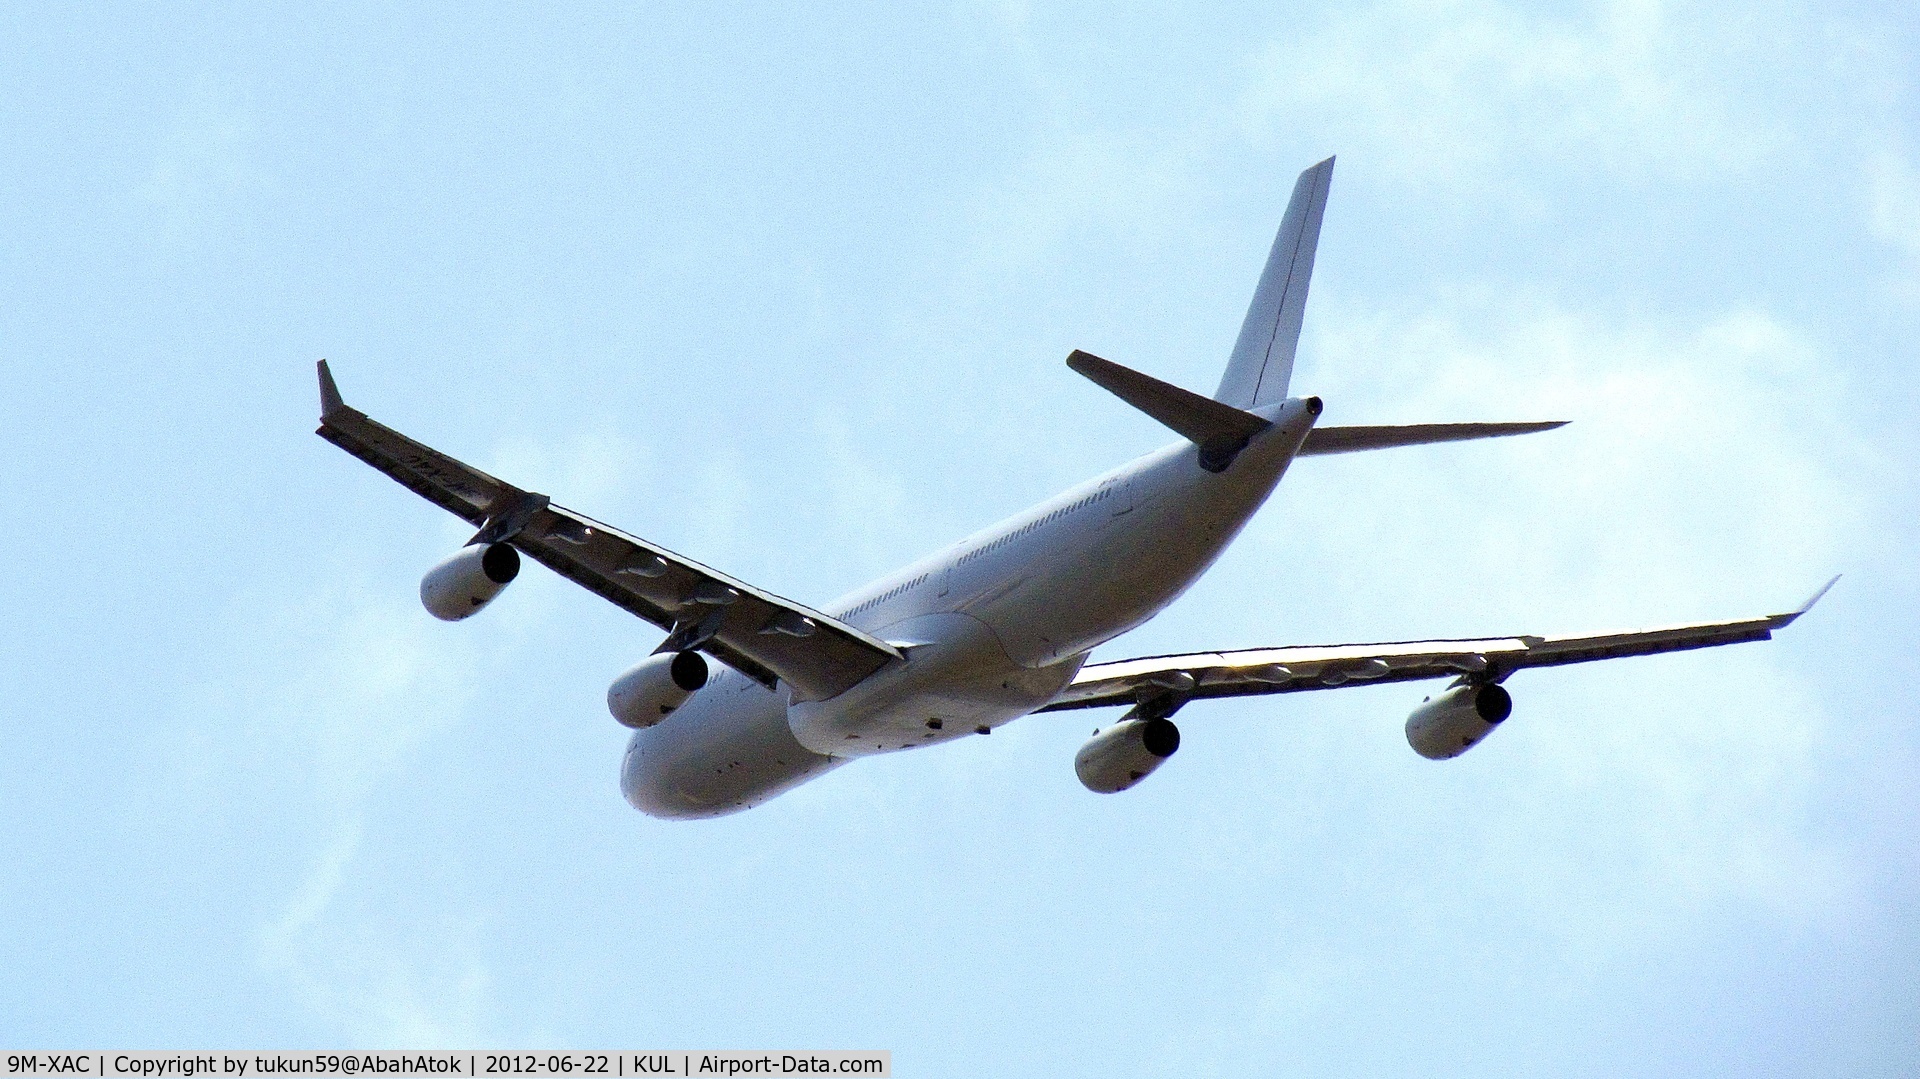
753 631
1296 669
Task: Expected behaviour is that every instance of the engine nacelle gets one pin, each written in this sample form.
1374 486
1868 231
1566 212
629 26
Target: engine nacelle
652 688
1125 753
468 581
1455 721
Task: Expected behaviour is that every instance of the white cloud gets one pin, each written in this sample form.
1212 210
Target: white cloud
378 991
204 160
592 467
1689 443
312 899
1710 472
339 689
1893 212
1442 90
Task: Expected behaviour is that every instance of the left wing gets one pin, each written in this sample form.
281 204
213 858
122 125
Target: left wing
764 636
1178 679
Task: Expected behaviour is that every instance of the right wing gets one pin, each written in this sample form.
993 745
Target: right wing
757 633
1178 679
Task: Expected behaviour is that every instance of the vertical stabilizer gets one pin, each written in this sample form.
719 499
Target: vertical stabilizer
1262 360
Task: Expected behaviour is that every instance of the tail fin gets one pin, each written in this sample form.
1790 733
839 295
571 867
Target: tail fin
1262 361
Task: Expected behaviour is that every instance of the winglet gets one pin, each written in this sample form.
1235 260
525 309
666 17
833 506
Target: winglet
1781 621
1815 598
330 401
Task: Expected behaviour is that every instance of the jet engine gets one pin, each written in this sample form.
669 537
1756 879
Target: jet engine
458 587
1125 753
652 688
1455 721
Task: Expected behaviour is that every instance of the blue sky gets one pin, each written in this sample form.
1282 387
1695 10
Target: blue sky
789 291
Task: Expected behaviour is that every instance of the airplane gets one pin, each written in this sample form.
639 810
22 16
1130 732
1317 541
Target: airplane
751 694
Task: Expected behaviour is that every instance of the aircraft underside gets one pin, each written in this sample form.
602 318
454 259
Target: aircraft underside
751 694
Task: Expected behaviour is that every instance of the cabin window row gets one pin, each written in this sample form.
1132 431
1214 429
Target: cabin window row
1097 496
896 590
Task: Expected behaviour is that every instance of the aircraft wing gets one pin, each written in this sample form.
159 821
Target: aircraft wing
1178 679
755 632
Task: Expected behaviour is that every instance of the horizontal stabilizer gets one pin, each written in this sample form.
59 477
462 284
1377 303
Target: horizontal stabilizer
1324 440
1205 422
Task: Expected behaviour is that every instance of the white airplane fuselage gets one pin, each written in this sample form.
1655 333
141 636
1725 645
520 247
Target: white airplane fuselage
1000 624
991 628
